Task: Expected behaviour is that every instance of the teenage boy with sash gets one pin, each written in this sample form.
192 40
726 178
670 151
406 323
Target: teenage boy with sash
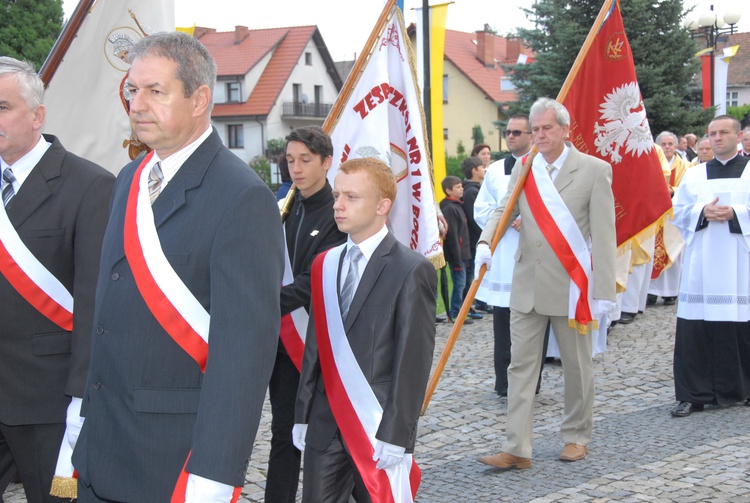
564 274
368 350
52 220
309 229
192 258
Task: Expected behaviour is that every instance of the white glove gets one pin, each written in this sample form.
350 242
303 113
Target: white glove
299 432
387 455
73 421
483 256
604 307
202 490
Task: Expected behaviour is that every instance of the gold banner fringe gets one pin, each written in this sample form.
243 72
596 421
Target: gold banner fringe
646 233
437 260
581 328
64 487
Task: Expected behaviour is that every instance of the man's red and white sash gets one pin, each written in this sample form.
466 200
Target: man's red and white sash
169 300
294 324
167 297
562 233
353 403
31 279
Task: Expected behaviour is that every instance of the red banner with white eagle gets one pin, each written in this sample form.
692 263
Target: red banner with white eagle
609 121
380 115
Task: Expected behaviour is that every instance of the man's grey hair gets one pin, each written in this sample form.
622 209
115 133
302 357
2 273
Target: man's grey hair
664 134
31 86
543 104
195 66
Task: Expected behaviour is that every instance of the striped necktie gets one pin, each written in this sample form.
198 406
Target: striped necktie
8 191
347 291
550 170
155 177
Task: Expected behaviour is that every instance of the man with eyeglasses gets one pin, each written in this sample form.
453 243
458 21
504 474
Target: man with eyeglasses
495 287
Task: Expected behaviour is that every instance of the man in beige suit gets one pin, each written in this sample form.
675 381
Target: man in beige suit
574 191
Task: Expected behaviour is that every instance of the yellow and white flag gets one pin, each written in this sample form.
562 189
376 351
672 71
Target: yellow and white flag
85 109
379 114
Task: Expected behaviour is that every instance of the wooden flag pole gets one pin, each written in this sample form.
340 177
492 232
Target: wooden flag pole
62 44
503 223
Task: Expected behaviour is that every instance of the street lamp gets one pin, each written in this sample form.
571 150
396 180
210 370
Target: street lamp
712 28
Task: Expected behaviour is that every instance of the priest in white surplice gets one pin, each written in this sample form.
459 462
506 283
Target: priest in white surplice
712 210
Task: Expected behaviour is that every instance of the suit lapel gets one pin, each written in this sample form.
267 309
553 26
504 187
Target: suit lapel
189 176
568 170
370 276
35 189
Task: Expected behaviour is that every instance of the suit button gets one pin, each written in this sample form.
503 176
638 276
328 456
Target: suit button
97 384
100 330
115 276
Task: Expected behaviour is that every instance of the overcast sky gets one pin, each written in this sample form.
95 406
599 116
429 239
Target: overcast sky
346 24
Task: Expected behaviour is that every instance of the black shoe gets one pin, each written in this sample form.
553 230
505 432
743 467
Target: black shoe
486 309
502 393
669 301
747 402
626 318
439 319
651 299
684 409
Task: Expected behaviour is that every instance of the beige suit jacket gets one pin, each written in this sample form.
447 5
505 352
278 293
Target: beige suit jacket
540 282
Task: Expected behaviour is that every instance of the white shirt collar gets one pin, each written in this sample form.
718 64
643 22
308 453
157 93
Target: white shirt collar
172 164
368 246
23 166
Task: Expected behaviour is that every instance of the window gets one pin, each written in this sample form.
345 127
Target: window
236 136
233 92
733 98
445 133
506 84
445 89
308 58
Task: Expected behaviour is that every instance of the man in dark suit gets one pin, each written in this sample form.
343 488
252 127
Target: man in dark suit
56 203
569 203
192 258
386 321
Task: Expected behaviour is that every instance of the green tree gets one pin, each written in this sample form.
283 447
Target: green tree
260 165
662 52
275 147
477 135
29 28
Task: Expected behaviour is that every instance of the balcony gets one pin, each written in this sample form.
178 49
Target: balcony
299 110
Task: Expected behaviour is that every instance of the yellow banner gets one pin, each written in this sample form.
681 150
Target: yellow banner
438 15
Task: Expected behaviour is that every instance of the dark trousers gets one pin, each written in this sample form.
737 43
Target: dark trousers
33 450
331 476
284 460
501 328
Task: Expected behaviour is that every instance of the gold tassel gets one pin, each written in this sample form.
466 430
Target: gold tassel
64 487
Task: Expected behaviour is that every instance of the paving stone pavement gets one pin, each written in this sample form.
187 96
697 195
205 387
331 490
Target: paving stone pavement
639 452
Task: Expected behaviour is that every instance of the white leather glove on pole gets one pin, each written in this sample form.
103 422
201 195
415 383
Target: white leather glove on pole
387 455
483 256
203 490
299 432
73 421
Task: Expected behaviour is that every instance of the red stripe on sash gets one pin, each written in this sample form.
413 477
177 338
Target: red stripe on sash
357 442
165 313
560 246
292 341
33 294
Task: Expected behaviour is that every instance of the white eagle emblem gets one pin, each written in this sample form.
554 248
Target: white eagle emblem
624 124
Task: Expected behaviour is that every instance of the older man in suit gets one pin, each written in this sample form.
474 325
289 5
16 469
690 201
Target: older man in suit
192 258
567 210
369 348
54 213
